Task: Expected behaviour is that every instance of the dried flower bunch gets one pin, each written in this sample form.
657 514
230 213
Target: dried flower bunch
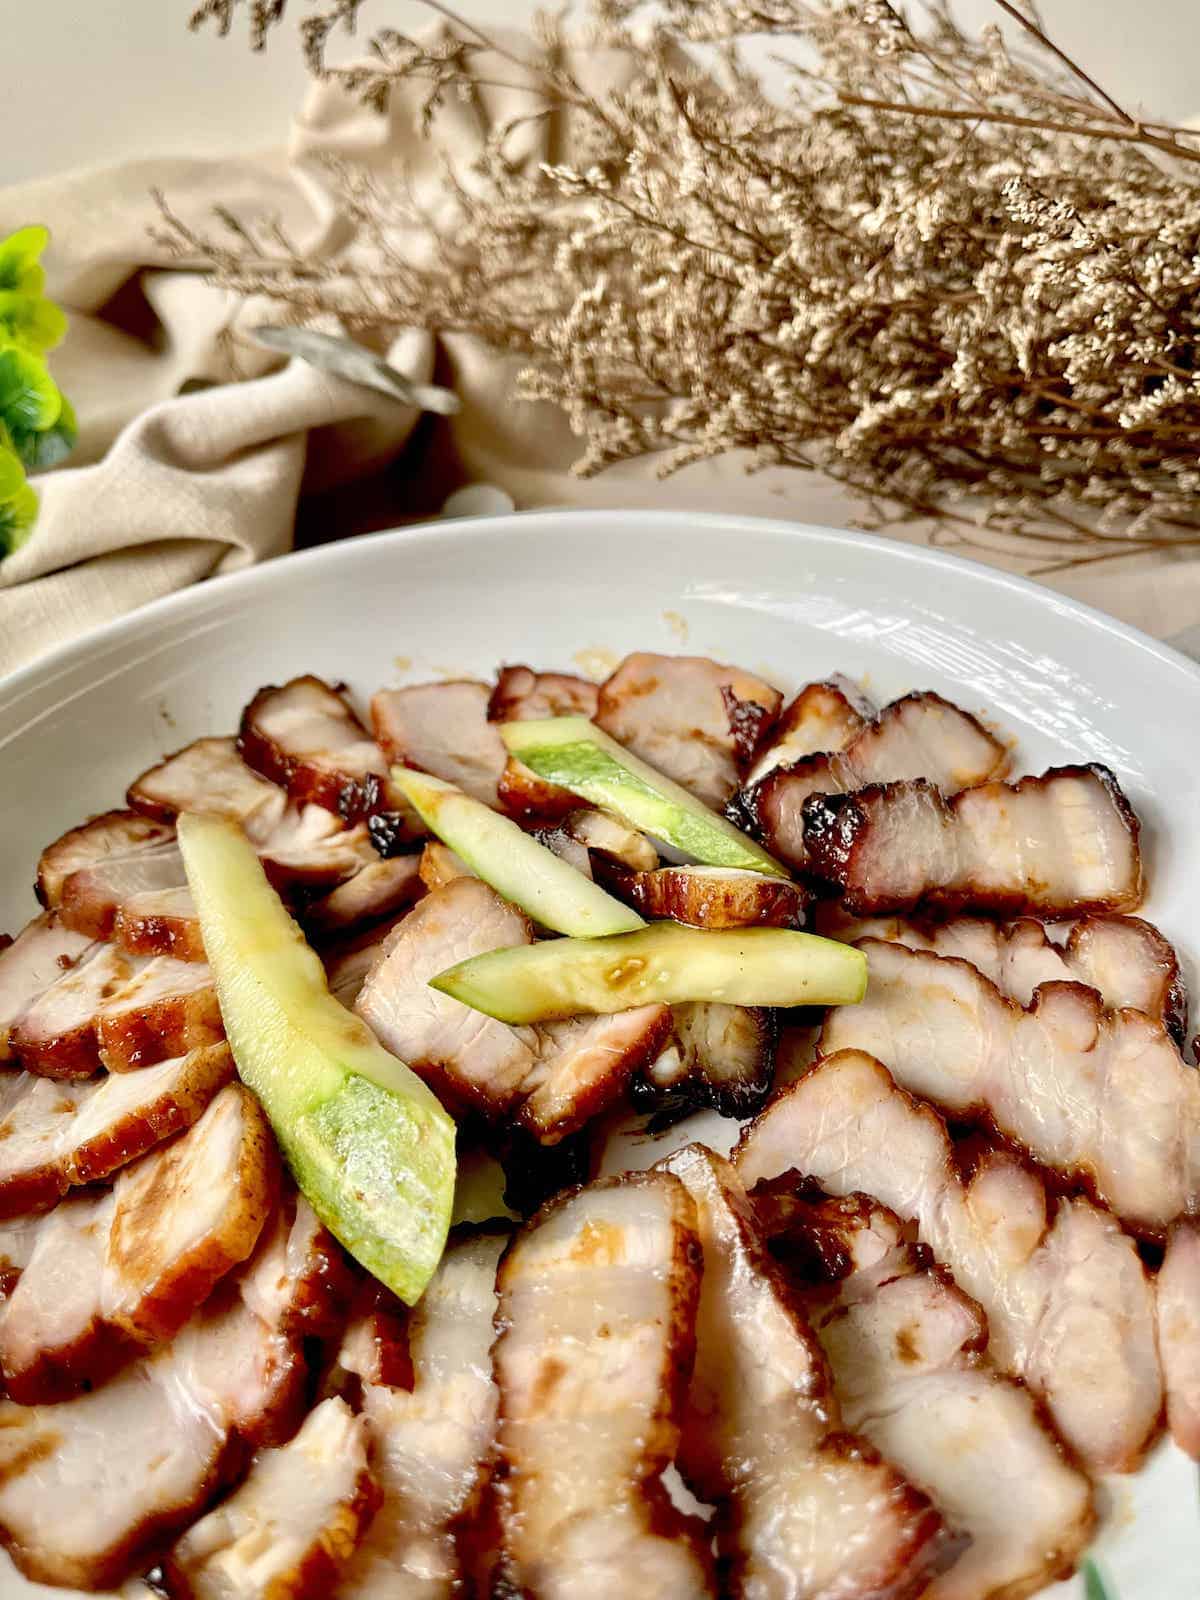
948 270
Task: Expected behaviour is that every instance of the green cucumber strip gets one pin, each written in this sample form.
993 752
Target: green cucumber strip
664 962
575 754
367 1142
517 866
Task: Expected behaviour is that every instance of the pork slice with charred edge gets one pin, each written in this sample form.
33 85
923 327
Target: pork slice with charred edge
596 1334
92 898
164 1010
1063 844
1100 1097
695 720
118 1011
1178 1291
706 897
40 954
908 1354
160 922
804 1509
921 736
114 1274
551 1078
105 838
292 1526
823 718
432 1427
138 1459
1068 1301
304 736
56 1036
1125 959
718 1056
54 1136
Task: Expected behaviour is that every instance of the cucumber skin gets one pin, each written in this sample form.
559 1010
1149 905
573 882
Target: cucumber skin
577 757
665 962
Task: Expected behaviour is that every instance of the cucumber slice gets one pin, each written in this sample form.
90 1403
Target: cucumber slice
367 1142
577 755
552 891
664 962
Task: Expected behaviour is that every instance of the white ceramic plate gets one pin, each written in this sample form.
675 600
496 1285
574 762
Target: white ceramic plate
575 590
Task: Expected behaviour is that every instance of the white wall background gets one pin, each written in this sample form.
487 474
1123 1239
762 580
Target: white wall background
84 82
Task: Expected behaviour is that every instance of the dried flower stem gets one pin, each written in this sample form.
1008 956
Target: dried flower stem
921 278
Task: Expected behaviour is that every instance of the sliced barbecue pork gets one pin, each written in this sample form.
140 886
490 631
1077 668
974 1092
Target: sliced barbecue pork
432 1433
823 718
112 1274
553 1077
291 1528
56 1135
160 922
377 891
40 954
105 838
1178 1290
921 736
596 1319
906 1348
708 897
305 737
209 776
164 1009
1069 1306
695 720
93 897
443 728
717 1055
1102 1096
309 850
119 1011
804 1509
1061 845
609 836
1126 960
56 1035
522 695
135 1461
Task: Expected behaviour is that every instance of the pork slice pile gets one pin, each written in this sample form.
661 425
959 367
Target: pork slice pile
885 1351
1070 1307
804 1507
907 1351
920 737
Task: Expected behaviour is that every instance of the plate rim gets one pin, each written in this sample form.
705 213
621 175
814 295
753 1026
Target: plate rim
575 522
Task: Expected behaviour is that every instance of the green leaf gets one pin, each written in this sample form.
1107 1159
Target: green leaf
29 398
18 503
42 450
1094 1586
20 266
30 321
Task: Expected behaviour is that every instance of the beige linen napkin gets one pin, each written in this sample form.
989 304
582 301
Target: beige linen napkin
203 482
